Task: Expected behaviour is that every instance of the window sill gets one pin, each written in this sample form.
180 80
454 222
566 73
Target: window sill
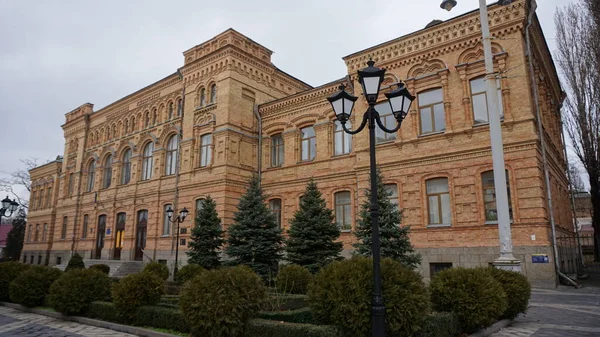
335 156
390 141
165 235
432 134
438 225
494 222
345 230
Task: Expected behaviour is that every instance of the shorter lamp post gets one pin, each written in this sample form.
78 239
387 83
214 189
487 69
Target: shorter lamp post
400 100
179 219
8 207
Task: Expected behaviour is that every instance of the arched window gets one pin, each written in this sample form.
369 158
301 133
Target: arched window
277 151
126 129
489 197
275 207
126 167
309 143
479 100
45 233
107 172
438 202
91 176
147 119
205 150
341 139
63 231
431 111
147 161
171 158
388 120
170 110
199 205
166 221
202 97
84 230
392 193
343 210
213 93
154 116
36 236
179 107
133 125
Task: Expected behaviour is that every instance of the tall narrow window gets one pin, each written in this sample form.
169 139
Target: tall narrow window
45 233
388 120
438 201
29 229
342 140
147 161
154 116
392 191
166 222
63 230
199 205
277 150
479 100
309 143
431 111
205 150
171 158
40 198
343 214
213 93
275 207
202 97
36 236
147 119
91 176
49 197
107 179
32 199
71 183
84 229
489 196
126 127
179 107
126 167
170 110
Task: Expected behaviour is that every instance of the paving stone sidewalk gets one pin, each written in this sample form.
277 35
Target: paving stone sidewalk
14 323
558 313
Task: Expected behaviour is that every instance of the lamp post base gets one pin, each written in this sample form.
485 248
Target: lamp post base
508 263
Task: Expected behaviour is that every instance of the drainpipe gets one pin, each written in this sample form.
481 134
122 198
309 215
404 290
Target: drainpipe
532 8
257 114
78 198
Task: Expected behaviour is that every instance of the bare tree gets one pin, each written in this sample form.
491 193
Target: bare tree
578 59
576 181
19 178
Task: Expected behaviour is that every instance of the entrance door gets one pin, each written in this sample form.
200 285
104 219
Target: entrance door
119 234
140 234
100 233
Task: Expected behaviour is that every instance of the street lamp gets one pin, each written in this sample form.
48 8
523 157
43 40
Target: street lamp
8 206
179 219
342 103
506 259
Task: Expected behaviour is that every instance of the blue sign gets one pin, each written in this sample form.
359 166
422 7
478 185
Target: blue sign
108 231
539 258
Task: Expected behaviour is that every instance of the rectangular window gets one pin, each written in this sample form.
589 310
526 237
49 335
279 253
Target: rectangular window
147 161
40 198
49 197
275 207
341 139
36 237
479 100
91 176
277 151
182 242
431 111
199 205
435 268
166 221
438 202
39 259
489 196
308 143
29 233
45 233
58 260
31 259
343 211
32 200
63 231
71 183
171 155
84 230
205 150
388 120
392 191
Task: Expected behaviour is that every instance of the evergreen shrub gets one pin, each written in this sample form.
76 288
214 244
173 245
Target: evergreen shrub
473 295
187 272
268 328
104 311
341 294
32 286
162 318
136 290
76 262
517 288
303 315
219 302
8 272
104 268
293 279
206 238
157 269
74 291
440 324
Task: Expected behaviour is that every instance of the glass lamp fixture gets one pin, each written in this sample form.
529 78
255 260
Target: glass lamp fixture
169 212
448 4
342 104
184 212
370 79
6 203
400 101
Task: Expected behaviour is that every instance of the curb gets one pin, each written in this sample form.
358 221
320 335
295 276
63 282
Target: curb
492 329
90 321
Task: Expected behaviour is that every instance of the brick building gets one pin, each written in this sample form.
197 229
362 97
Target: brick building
237 113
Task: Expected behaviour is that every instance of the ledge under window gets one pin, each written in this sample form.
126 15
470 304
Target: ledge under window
432 133
494 222
439 225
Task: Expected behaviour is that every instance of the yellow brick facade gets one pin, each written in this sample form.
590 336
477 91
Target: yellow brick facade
248 85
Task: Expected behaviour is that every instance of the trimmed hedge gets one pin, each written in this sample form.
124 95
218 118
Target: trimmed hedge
136 290
8 272
162 318
517 288
188 272
476 298
32 286
104 311
104 268
303 315
440 324
293 279
341 294
282 302
76 262
75 290
157 269
267 328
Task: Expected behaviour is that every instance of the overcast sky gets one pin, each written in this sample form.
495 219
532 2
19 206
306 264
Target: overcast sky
57 55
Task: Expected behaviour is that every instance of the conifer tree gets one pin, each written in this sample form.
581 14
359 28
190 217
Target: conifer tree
313 232
206 237
254 238
394 239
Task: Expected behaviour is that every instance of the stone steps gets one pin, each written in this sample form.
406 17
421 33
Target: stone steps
118 269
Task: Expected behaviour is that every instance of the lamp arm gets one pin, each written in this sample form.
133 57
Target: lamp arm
382 127
362 126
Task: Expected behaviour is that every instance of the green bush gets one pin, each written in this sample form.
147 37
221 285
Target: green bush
517 288
104 268
76 262
219 302
293 279
134 291
157 269
172 288
187 272
75 290
31 286
162 318
8 272
303 315
282 302
473 295
440 324
267 328
104 311
341 294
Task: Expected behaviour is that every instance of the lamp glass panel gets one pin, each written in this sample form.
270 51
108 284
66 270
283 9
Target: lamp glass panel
348 106
396 103
5 203
371 85
338 106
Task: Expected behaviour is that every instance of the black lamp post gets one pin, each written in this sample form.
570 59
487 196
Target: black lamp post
179 219
8 207
400 100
